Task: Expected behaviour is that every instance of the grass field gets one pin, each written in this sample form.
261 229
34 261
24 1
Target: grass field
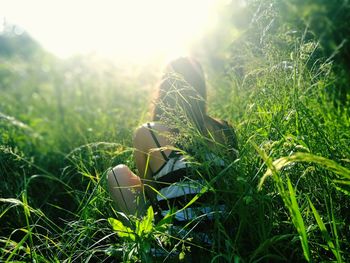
63 124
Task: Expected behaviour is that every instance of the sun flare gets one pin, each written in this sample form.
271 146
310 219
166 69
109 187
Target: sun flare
123 30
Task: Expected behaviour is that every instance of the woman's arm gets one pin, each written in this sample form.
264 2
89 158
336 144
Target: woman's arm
226 135
230 136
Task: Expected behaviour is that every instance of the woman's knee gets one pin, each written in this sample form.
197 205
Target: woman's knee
124 187
118 175
122 176
120 169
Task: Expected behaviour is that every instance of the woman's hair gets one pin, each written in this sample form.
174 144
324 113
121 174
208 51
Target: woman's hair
182 91
182 94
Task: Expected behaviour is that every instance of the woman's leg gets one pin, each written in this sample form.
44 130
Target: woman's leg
126 189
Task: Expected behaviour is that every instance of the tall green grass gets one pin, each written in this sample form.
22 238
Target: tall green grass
64 124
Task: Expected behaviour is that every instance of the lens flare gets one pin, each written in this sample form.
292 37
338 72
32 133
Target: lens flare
123 30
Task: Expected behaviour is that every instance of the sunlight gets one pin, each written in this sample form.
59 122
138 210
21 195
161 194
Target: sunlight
124 30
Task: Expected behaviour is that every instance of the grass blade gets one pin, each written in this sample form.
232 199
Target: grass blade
298 221
324 232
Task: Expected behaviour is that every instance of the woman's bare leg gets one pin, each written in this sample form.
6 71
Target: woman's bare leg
126 189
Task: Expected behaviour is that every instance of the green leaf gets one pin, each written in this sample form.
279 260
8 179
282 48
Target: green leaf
167 219
122 231
145 225
181 256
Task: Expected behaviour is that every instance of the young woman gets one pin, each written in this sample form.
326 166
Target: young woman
160 155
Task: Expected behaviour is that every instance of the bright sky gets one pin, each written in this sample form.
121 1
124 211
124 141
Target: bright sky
122 29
